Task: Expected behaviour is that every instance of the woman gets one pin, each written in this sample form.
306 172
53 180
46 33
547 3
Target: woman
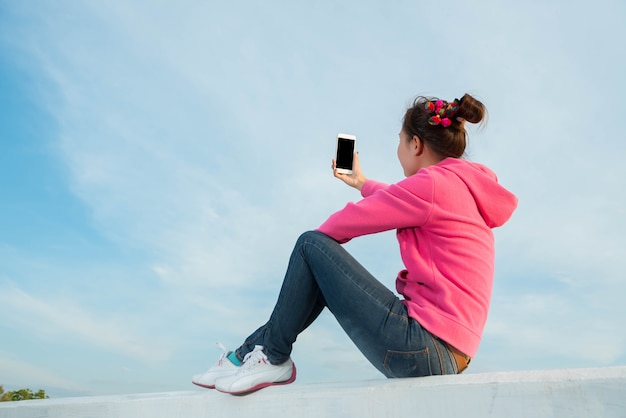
443 212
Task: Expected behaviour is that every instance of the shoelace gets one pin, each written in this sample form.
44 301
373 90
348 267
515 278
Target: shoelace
224 354
254 357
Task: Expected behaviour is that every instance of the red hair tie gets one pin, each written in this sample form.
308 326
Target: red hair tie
443 112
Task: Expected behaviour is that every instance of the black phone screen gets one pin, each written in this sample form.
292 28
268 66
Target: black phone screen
345 153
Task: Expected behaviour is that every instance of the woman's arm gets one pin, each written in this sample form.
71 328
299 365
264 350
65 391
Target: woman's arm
402 205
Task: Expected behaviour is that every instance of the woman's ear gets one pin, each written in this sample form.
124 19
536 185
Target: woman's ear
418 145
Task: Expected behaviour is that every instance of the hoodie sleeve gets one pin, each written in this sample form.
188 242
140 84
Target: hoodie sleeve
405 204
371 186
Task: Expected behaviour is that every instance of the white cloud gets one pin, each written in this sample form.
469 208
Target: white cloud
23 375
57 318
563 327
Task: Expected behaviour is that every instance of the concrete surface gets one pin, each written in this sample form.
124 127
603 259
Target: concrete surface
593 393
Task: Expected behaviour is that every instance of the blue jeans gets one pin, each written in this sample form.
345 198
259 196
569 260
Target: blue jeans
321 273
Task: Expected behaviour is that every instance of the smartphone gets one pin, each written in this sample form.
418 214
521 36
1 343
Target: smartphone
345 153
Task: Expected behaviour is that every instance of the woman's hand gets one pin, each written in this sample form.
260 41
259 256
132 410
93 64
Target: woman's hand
356 179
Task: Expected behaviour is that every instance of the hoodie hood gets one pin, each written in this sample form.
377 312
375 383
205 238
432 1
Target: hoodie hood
495 203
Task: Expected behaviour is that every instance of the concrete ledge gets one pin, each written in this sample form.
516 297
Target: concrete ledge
592 393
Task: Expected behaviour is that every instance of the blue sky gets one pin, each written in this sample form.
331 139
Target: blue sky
159 161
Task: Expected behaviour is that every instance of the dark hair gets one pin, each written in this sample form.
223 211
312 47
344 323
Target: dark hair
445 141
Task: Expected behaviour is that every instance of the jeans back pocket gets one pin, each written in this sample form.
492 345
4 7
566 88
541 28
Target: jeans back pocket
407 363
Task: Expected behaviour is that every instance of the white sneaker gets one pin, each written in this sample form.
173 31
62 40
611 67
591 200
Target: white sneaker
223 367
255 373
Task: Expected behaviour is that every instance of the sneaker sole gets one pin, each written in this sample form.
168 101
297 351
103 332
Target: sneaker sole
204 386
264 385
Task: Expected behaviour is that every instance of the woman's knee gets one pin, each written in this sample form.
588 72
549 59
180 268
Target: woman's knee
313 236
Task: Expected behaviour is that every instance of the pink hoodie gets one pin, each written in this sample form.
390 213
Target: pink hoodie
443 215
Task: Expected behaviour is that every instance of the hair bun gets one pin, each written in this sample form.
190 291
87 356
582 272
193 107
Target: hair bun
471 109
